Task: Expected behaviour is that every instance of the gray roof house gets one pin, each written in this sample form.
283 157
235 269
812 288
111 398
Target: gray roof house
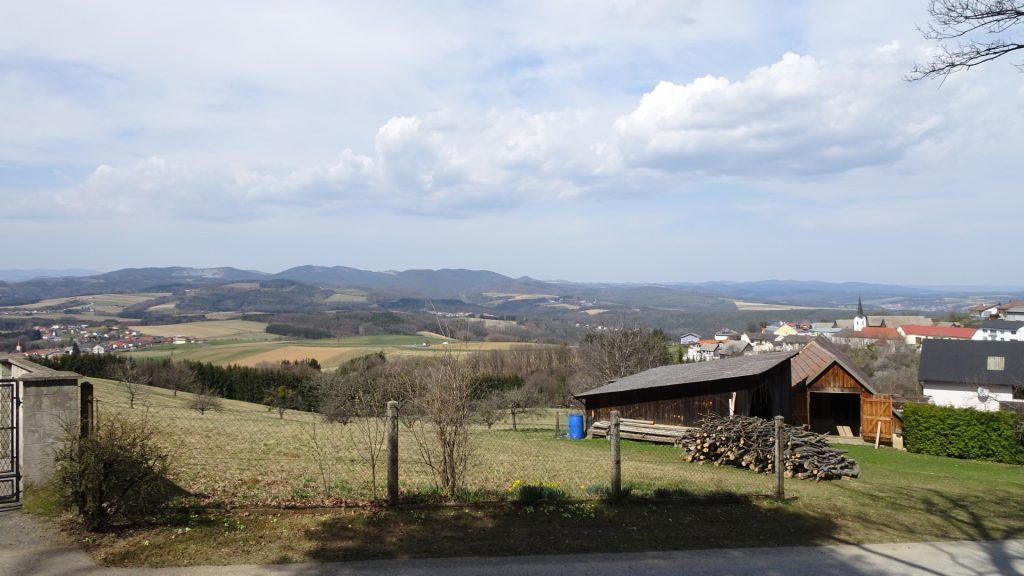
972 373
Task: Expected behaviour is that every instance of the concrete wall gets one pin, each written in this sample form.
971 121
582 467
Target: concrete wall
47 407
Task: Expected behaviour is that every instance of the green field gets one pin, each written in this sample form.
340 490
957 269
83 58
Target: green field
244 343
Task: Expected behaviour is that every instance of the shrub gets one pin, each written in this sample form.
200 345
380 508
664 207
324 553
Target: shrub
117 475
525 492
963 433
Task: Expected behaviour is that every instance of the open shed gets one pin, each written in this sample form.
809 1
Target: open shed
681 394
831 395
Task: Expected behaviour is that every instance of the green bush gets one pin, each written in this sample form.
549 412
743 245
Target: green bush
524 492
117 475
963 433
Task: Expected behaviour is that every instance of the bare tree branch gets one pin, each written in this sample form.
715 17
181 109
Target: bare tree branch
964 20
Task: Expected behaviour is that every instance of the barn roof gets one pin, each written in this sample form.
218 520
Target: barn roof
815 358
681 374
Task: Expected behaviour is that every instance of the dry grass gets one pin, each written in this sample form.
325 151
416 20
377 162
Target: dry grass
326 356
347 297
103 303
515 296
206 330
762 307
246 455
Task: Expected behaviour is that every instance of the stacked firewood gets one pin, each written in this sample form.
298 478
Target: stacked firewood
749 442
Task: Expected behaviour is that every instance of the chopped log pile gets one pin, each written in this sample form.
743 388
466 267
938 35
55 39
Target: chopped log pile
644 430
749 442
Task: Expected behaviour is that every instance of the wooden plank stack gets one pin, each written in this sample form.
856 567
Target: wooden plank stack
749 442
643 430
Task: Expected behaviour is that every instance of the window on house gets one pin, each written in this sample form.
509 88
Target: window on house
996 363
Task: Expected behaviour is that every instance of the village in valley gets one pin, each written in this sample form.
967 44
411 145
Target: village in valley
578 288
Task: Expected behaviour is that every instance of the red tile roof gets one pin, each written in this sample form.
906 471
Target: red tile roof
878 333
939 331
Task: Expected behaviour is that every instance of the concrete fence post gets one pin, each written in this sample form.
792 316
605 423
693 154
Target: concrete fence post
392 431
85 409
613 436
780 467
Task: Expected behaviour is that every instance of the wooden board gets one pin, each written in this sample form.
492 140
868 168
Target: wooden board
875 409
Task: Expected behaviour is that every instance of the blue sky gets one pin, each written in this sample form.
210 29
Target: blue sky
628 141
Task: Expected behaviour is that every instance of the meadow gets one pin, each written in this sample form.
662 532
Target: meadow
246 343
255 475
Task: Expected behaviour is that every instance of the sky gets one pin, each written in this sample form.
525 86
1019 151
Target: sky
583 140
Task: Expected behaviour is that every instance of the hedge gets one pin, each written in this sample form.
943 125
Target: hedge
964 433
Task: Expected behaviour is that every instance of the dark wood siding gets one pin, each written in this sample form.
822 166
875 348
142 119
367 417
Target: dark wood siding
801 408
764 395
676 411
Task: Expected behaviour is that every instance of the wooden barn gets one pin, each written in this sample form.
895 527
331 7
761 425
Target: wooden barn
681 394
832 396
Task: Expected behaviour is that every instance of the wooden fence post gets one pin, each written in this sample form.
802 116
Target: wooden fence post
613 436
558 425
392 430
85 410
780 468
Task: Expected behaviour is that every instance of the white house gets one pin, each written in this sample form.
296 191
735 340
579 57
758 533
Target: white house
1001 331
971 373
984 311
1015 313
689 339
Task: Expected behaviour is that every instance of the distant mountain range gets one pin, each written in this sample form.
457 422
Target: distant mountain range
483 287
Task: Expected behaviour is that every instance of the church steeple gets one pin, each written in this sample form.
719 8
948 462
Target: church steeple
860 321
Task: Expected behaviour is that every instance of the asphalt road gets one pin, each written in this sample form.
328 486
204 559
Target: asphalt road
29 548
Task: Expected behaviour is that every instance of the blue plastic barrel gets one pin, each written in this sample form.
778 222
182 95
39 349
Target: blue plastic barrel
576 427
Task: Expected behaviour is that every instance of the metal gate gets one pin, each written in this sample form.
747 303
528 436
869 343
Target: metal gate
10 476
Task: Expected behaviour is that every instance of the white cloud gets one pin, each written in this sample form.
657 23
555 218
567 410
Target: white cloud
799 116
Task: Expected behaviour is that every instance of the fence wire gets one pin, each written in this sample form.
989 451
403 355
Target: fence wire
248 455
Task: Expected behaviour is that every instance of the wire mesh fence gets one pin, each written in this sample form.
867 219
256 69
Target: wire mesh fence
245 454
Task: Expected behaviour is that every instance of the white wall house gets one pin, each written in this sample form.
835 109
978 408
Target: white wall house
972 373
984 398
1001 331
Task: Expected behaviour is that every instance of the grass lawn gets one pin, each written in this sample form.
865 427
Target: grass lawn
901 498
248 463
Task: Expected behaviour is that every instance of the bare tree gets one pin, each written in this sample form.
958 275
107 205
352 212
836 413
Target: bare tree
444 394
489 410
204 400
607 355
132 380
981 32
175 376
279 399
358 396
520 402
